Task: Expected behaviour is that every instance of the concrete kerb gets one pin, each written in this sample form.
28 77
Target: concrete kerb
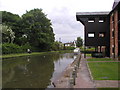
73 74
66 79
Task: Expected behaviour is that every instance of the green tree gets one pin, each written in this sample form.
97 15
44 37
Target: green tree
8 35
14 22
57 46
79 42
38 29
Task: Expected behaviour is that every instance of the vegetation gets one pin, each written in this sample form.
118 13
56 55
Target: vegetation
100 59
87 49
33 30
69 48
7 34
79 42
104 70
88 55
34 53
9 48
108 88
57 46
13 21
37 27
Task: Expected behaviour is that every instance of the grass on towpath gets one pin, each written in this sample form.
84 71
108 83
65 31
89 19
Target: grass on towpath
104 70
33 53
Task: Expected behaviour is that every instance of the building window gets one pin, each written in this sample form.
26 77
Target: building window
113 50
91 20
113 18
101 20
113 34
102 34
91 34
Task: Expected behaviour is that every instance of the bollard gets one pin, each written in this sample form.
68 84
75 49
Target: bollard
75 68
74 76
71 81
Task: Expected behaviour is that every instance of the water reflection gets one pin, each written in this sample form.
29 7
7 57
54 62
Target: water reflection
34 71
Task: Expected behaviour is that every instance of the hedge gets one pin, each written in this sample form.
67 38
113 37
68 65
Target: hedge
10 48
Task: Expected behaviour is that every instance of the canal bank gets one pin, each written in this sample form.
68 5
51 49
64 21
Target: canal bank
67 79
33 53
82 77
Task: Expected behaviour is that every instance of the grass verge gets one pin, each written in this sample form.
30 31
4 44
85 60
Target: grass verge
33 53
100 59
104 70
108 88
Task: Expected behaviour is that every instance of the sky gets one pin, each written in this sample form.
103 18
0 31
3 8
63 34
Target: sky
62 13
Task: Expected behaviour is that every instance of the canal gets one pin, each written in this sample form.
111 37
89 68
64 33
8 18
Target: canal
37 71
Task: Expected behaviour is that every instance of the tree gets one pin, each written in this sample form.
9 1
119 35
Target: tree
13 21
8 35
38 29
79 42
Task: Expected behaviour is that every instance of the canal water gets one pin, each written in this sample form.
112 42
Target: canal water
37 71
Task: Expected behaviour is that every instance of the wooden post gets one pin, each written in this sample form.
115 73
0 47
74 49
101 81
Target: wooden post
84 52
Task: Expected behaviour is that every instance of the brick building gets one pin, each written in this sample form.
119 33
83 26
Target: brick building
102 30
115 30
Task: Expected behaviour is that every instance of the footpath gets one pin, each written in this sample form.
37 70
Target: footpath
83 79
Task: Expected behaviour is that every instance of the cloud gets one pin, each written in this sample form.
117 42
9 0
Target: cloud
62 13
65 25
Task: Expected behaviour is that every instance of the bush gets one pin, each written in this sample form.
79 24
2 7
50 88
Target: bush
98 55
8 48
69 48
25 47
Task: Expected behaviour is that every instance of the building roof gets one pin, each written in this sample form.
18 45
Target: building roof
92 13
115 3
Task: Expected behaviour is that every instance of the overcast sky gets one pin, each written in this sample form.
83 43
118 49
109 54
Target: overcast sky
62 13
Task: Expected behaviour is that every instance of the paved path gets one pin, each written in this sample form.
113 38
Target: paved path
83 79
107 83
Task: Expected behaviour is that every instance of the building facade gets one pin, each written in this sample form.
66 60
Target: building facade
102 30
115 30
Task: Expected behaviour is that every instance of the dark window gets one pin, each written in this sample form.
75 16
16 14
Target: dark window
112 17
113 50
113 34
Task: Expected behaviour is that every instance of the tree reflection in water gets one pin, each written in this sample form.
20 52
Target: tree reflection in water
33 71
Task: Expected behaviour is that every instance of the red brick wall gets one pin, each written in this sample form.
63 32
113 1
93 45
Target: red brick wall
111 39
114 40
116 34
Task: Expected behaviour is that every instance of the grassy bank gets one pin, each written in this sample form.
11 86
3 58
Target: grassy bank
100 59
104 70
33 53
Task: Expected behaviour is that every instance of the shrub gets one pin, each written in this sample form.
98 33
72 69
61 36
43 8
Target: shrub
25 47
9 48
98 55
69 48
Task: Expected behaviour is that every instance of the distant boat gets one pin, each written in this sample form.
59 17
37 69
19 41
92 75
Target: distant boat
77 51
